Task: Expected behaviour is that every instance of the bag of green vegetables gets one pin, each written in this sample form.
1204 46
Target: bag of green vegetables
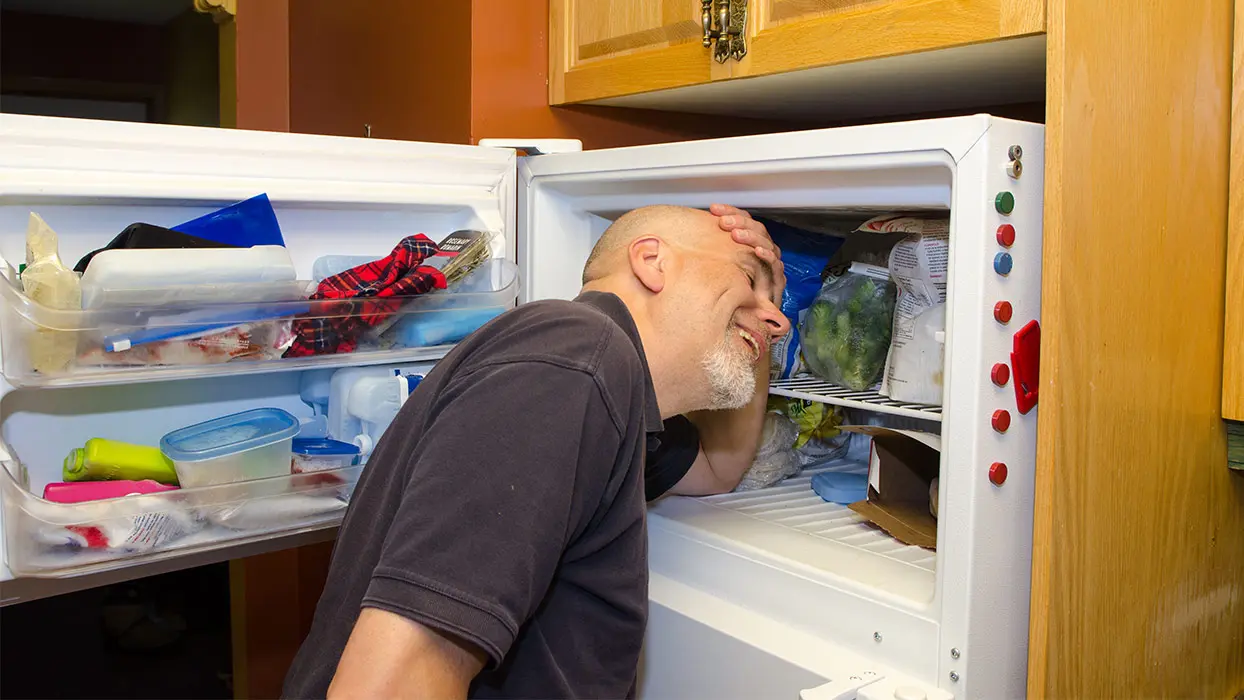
846 332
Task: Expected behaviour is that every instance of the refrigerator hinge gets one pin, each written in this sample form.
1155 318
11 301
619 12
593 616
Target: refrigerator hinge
535 147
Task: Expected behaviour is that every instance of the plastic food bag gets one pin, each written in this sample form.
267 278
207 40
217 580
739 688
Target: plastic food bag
48 282
846 333
819 438
775 459
115 525
918 266
281 511
246 341
914 371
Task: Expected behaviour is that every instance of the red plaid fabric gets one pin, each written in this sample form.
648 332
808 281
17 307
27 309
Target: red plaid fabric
400 274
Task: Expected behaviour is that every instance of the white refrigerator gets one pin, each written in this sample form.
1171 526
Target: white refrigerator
773 593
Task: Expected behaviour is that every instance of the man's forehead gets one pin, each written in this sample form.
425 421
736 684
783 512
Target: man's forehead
746 256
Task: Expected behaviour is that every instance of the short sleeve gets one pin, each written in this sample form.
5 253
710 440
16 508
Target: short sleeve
670 456
487 508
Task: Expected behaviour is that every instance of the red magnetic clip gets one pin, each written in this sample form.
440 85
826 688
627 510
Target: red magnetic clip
1026 366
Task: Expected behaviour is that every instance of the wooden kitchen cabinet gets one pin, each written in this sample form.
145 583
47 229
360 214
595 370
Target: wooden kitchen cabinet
601 48
786 35
1233 356
608 48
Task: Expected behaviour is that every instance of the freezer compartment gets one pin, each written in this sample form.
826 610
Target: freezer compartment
792 526
45 539
131 343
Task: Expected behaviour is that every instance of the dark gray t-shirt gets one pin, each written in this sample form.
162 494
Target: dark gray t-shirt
505 505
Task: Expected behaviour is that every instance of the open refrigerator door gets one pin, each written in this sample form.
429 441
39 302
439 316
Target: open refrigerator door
184 243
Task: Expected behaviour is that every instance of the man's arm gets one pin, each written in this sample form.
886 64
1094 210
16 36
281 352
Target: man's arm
389 656
728 442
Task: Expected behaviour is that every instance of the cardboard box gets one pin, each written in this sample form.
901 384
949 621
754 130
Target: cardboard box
901 465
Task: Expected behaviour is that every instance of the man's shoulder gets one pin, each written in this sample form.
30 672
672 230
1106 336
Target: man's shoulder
575 334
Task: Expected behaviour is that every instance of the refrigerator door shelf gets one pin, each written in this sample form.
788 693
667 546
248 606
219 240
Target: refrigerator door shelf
45 347
89 179
55 540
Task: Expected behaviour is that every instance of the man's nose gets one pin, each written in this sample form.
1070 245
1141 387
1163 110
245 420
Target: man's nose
774 319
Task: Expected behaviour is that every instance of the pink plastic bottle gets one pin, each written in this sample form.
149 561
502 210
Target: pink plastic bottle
79 491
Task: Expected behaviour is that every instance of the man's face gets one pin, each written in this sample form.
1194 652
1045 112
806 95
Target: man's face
725 316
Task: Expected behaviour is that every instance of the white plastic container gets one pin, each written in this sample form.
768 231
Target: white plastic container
114 272
363 401
253 444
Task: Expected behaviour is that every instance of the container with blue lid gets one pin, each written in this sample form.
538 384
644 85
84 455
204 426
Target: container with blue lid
252 444
319 454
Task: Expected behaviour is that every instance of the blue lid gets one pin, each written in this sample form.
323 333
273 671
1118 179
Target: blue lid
323 446
228 435
839 487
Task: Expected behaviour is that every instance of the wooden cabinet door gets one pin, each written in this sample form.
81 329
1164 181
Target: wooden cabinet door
1233 356
606 48
788 35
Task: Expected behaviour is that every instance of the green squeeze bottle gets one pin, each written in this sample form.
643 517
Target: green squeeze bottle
107 460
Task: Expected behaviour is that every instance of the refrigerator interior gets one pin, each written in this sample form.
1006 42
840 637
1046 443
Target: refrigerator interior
788 523
782 553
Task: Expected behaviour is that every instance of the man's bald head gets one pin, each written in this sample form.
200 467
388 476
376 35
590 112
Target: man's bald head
677 225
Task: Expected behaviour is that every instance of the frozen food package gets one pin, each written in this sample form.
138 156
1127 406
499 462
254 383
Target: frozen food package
914 370
49 283
819 438
846 333
776 458
918 267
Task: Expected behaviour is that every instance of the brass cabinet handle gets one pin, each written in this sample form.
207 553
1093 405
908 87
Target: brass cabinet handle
731 22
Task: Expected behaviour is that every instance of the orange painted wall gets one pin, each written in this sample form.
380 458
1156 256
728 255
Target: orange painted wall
261 62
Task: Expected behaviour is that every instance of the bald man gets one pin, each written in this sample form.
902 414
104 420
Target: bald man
495 546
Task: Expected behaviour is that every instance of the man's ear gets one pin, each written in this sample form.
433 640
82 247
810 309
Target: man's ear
649 259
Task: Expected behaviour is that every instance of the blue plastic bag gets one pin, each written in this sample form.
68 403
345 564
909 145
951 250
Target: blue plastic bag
804 256
245 224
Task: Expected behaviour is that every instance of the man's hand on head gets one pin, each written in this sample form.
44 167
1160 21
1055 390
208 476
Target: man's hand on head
749 232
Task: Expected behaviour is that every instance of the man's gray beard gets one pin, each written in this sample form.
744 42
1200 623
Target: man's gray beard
731 377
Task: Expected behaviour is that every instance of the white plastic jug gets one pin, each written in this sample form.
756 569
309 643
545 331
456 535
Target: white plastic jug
363 401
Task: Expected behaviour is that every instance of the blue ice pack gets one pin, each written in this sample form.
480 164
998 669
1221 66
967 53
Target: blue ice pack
430 328
840 487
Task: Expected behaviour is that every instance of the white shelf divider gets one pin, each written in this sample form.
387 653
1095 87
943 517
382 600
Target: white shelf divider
813 389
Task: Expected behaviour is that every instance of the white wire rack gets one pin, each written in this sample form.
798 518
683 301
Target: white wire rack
794 504
813 389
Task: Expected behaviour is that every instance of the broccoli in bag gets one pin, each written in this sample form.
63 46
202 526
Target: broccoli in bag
846 332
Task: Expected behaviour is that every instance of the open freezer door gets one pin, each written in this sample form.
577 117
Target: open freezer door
90 180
